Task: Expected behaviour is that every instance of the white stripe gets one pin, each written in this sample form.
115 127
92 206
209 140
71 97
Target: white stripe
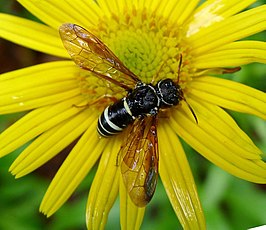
162 94
110 123
127 107
158 99
103 129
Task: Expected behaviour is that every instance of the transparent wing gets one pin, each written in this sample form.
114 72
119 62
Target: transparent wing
139 164
91 54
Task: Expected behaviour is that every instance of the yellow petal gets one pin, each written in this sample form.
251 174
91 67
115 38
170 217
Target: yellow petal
38 86
104 189
32 35
35 123
178 179
50 143
230 95
213 11
175 11
131 216
74 169
231 29
34 73
122 6
112 7
233 54
212 138
56 12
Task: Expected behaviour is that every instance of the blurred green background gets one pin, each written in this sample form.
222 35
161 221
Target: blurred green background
228 202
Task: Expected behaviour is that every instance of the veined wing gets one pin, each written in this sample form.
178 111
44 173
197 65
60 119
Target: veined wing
91 54
139 164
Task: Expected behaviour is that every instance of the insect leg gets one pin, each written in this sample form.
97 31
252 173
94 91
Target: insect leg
104 99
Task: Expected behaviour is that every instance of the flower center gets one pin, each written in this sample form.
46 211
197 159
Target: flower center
148 44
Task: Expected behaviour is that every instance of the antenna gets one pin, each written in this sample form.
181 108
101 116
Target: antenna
183 98
179 67
192 111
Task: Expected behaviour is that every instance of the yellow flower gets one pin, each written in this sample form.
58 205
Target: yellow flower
148 37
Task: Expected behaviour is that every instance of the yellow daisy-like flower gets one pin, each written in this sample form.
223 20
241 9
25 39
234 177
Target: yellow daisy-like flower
148 37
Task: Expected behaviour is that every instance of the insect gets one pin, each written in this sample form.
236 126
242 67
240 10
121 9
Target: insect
138 110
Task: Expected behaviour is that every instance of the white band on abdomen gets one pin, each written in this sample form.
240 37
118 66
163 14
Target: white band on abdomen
110 123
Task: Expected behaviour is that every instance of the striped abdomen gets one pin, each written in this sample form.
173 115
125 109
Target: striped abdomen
115 118
143 100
